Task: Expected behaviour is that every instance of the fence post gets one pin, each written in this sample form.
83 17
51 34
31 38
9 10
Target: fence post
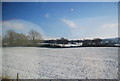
17 76
98 79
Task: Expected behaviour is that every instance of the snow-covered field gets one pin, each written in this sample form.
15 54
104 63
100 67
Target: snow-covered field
60 63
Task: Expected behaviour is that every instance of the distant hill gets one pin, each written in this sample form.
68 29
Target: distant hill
112 39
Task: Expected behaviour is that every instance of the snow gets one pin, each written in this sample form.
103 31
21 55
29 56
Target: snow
60 63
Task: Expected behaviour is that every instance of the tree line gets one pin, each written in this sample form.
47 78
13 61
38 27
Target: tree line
96 42
12 38
35 39
63 42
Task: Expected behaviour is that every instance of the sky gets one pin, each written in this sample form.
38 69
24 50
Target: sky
71 20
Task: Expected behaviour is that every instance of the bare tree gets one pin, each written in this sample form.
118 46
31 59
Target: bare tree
62 41
34 35
13 38
10 36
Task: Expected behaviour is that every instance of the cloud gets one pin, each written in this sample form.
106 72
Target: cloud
14 25
50 37
110 25
21 26
70 23
46 15
107 31
72 9
99 27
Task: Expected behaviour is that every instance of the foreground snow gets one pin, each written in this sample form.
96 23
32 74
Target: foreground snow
63 63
